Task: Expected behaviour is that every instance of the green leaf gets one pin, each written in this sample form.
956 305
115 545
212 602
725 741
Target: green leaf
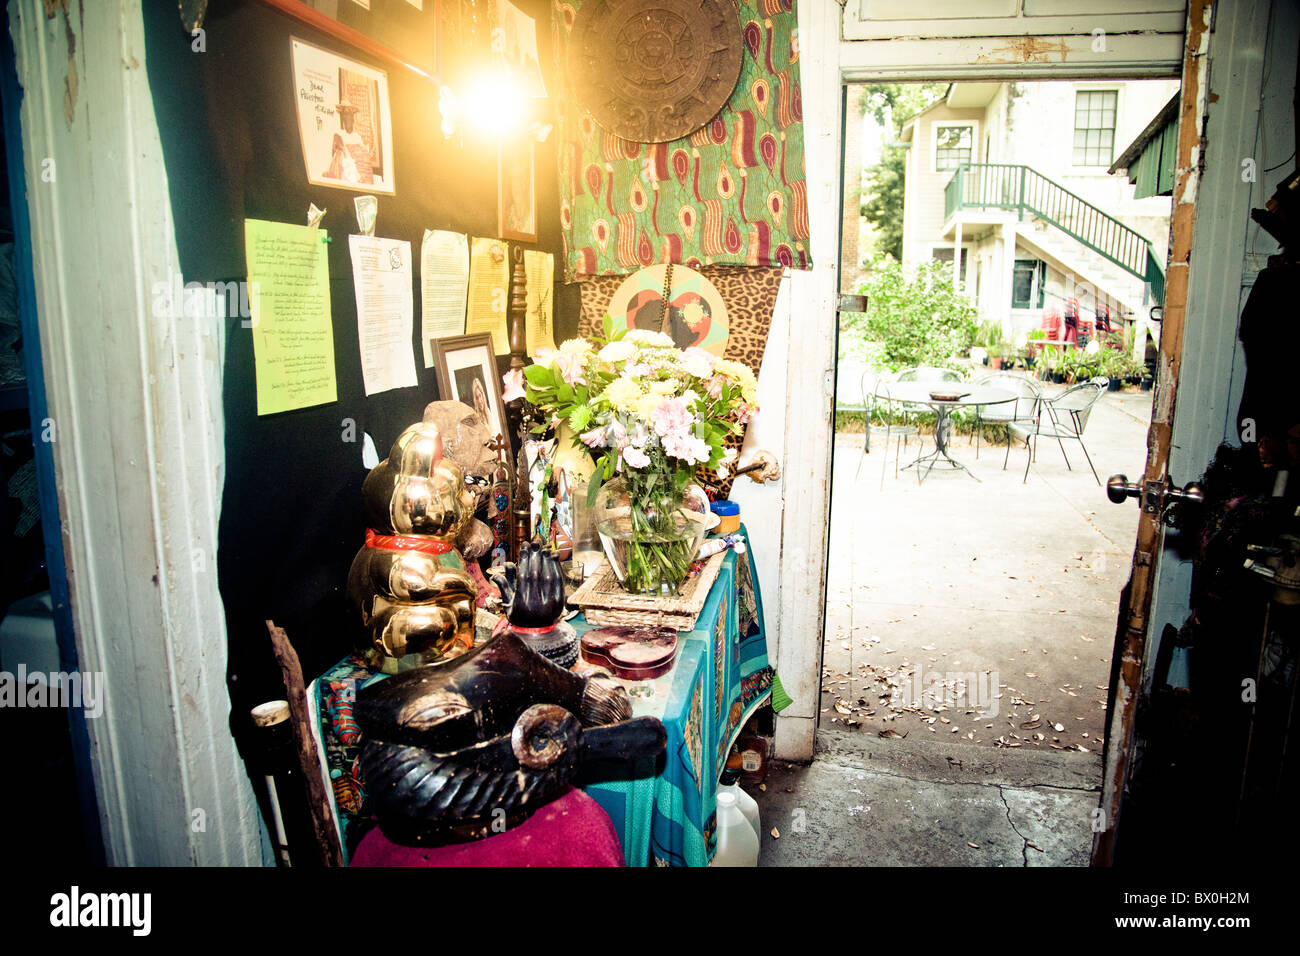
539 376
607 325
565 393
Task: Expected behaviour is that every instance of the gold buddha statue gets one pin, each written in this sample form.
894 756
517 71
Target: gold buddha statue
417 601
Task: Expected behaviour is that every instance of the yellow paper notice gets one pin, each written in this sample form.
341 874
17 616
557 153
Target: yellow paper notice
289 297
489 281
539 270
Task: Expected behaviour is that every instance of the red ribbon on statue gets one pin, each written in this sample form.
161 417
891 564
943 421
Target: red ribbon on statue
404 542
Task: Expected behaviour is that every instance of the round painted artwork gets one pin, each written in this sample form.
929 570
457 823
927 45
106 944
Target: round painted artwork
695 314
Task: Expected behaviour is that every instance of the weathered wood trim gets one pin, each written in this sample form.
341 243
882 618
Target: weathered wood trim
1130 644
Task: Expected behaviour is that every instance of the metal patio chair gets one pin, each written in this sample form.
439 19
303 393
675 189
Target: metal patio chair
1066 417
875 388
1023 409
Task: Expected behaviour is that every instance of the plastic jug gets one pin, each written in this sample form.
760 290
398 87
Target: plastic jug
748 805
737 841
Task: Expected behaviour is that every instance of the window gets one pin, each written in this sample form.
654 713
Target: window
952 146
944 254
1094 127
1027 284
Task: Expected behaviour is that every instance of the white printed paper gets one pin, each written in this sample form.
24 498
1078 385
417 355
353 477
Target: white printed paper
444 283
382 275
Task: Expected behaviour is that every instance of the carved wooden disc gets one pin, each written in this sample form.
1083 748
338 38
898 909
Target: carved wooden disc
657 71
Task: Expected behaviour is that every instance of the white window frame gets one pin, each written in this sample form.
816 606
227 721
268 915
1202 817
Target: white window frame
973 125
1118 90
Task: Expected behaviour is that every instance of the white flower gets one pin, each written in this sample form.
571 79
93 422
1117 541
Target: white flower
697 362
617 351
647 337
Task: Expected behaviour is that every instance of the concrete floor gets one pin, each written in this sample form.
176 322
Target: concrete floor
969 626
980 611
883 802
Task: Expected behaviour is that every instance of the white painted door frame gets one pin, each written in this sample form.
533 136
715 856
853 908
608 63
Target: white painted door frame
135 397
827 62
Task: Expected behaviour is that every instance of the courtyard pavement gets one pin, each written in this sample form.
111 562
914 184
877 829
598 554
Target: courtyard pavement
982 611
969 627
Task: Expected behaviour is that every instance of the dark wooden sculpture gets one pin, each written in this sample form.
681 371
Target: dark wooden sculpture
462 749
534 594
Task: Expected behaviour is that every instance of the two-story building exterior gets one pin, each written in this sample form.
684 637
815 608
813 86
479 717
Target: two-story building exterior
1015 176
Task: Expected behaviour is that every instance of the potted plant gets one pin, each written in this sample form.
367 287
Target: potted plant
1111 364
1047 362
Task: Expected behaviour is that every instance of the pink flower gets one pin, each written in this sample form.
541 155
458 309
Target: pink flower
714 386
685 446
594 438
672 416
514 383
569 366
635 457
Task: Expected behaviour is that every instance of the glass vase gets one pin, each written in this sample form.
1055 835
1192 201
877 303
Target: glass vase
649 533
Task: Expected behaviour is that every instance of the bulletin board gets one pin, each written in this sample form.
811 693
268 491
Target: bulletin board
291 516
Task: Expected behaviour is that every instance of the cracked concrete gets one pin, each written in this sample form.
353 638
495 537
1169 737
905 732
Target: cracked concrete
873 802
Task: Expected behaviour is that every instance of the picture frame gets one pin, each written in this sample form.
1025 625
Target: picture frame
402 32
517 192
345 124
463 362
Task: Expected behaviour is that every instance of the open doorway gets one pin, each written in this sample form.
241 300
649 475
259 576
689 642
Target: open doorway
973 577
971 593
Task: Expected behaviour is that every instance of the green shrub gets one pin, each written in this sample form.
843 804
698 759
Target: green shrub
915 318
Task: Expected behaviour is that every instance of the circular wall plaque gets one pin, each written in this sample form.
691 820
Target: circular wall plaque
693 313
654 72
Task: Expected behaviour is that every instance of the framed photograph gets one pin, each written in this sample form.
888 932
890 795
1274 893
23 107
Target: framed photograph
403 32
514 47
467 372
344 123
516 195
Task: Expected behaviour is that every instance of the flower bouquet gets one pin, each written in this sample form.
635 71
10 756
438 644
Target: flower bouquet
649 413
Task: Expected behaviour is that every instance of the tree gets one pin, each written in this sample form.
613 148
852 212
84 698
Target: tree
896 103
882 205
891 104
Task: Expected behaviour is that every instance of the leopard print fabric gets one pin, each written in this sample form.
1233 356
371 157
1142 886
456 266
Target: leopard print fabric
750 297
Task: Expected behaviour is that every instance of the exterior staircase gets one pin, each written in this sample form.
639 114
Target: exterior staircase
1113 285
1065 229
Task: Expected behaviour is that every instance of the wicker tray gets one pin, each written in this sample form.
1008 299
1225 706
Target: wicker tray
604 601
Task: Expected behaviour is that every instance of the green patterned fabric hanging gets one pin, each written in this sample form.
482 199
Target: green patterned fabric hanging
732 193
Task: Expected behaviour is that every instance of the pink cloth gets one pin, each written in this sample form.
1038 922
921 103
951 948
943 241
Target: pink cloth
571 830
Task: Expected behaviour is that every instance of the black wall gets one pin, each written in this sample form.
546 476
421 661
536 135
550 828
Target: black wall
290 514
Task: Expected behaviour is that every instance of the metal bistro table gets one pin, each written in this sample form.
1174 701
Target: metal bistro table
918 393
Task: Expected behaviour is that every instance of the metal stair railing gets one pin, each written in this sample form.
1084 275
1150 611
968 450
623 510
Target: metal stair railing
1022 189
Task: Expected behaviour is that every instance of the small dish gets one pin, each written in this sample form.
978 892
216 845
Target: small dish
947 395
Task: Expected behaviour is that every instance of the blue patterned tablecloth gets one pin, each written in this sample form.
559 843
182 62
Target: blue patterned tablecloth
721 676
